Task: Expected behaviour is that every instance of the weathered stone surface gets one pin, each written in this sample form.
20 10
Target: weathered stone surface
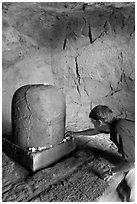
38 116
74 188
79 172
86 50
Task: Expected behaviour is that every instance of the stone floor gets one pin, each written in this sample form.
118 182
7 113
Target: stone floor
75 178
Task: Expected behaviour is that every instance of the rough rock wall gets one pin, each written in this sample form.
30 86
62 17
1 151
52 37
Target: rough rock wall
87 50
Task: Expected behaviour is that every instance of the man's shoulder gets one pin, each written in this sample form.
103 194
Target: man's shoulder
124 124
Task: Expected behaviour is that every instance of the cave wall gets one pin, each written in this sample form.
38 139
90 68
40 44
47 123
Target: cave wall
86 50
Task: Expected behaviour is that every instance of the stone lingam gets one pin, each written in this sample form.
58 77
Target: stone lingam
38 115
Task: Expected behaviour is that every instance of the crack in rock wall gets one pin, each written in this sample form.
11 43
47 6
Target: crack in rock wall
85 49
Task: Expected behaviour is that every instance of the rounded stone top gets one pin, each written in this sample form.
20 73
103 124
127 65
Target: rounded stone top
38 115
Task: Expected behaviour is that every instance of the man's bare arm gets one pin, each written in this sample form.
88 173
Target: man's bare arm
89 132
125 166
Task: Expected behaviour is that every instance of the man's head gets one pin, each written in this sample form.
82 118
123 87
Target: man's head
101 116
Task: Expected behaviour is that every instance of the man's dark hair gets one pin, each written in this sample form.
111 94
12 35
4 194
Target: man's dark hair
101 112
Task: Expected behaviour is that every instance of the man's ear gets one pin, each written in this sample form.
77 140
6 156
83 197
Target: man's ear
99 122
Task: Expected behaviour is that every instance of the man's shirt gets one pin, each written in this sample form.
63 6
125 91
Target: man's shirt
122 133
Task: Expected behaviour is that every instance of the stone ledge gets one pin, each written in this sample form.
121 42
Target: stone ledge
62 177
37 160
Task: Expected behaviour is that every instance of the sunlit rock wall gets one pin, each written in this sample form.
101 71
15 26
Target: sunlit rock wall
87 50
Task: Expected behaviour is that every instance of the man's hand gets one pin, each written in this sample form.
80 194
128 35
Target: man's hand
69 134
106 173
106 176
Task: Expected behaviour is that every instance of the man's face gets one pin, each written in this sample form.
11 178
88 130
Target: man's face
96 123
100 125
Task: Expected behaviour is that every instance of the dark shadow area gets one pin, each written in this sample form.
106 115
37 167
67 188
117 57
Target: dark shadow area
8 136
112 157
6 126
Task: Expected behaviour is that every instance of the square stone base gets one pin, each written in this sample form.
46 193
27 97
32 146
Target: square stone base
37 160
